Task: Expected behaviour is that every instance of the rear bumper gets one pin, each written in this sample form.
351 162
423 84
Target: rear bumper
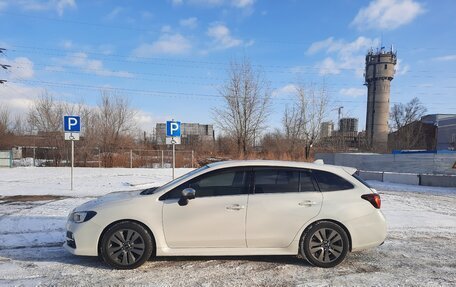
368 231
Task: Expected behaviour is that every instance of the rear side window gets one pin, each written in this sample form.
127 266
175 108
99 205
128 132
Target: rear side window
273 180
328 181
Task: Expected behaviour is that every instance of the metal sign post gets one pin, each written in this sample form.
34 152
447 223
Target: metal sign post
174 155
72 162
72 127
173 137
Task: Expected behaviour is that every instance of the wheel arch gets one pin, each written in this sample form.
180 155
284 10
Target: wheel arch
328 220
127 220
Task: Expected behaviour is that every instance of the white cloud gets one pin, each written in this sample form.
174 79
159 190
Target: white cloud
387 14
81 60
191 22
67 44
401 68
36 5
446 58
177 2
287 90
353 92
114 13
221 36
346 55
3 5
328 67
242 3
17 97
166 29
171 44
330 45
146 15
21 68
206 3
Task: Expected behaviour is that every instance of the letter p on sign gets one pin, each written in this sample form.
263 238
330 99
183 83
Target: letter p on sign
72 124
173 129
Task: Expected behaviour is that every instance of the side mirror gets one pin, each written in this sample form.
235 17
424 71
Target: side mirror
187 194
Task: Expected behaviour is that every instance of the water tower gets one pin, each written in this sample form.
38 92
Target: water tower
378 76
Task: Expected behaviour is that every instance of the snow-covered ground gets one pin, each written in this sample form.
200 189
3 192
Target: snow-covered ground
87 181
420 249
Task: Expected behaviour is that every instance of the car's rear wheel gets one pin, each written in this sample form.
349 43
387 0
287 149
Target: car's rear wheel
126 245
325 244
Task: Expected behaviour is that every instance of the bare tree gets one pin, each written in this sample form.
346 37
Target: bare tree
402 115
114 121
46 114
303 120
246 105
5 119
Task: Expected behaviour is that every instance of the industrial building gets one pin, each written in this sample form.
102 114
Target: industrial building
378 75
348 126
435 132
191 133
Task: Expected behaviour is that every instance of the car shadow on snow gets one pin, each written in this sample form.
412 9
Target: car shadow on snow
59 255
275 259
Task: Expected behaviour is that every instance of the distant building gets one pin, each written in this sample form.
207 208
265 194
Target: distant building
348 126
432 132
191 133
327 129
346 138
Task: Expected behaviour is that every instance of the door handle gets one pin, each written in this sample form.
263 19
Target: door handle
235 207
307 203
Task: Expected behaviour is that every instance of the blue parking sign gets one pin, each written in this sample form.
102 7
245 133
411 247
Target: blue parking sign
173 129
72 124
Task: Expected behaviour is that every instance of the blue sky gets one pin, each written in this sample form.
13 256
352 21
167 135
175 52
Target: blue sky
170 57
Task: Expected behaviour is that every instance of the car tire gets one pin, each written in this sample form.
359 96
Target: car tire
325 244
126 245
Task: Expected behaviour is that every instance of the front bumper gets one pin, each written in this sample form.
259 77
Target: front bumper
82 238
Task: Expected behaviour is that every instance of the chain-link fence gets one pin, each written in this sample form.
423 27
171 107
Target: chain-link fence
95 157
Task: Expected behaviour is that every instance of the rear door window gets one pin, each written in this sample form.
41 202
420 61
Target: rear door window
328 181
276 180
307 182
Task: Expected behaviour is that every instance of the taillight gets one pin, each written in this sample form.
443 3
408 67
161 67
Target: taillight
373 198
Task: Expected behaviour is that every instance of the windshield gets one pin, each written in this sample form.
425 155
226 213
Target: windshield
180 178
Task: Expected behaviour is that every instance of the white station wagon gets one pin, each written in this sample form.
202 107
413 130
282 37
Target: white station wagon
234 208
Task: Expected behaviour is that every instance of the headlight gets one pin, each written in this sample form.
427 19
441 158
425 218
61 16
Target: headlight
82 216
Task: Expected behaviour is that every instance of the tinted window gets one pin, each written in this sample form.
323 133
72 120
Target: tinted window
330 182
216 183
307 183
361 180
269 180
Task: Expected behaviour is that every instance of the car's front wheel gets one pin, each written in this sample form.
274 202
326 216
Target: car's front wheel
325 244
126 245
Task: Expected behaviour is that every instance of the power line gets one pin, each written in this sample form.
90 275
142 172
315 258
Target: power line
173 93
144 29
195 64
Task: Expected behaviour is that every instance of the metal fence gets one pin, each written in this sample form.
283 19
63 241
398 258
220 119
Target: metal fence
95 157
